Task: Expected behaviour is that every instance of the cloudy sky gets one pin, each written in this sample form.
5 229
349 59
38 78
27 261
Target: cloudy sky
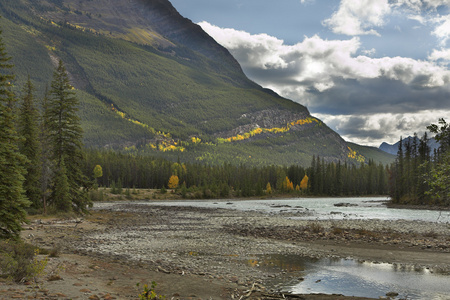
373 70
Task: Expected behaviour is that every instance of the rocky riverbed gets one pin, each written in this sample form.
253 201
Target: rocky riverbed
199 253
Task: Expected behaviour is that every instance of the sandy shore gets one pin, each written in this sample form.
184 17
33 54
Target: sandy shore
197 253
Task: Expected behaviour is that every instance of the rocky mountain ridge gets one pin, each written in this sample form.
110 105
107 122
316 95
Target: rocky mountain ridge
151 81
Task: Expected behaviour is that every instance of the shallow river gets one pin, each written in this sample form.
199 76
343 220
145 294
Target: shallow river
342 276
323 208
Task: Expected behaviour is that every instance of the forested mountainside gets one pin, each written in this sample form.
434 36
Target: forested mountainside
149 80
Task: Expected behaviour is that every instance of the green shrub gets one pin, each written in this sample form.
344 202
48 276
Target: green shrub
149 293
18 261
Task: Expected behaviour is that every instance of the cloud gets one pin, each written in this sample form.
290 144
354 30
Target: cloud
443 54
384 127
317 63
419 5
358 17
442 31
331 77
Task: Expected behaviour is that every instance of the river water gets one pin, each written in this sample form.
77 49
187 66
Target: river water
342 276
323 208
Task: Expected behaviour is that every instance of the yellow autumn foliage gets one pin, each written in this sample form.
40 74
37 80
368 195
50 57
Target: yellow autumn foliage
304 183
252 133
173 182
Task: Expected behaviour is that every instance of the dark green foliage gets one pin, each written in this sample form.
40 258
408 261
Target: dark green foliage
12 197
221 181
418 177
439 176
62 194
65 136
342 179
47 165
29 145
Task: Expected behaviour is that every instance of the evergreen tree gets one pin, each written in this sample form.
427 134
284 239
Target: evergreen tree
29 145
65 135
62 198
439 177
12 195
46 154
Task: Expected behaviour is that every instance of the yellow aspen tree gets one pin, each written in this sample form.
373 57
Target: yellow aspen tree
304 183
290 185
173 182
268 188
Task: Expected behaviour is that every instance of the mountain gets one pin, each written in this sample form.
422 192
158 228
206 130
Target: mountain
150 80
376 154
393 148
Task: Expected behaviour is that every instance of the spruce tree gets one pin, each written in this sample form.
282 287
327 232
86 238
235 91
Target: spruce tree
61 190
46 154
12 197
65 135
29 145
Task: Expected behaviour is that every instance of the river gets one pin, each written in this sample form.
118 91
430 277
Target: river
342 276
323 208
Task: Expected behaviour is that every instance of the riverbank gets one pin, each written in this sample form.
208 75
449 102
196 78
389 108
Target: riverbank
199 253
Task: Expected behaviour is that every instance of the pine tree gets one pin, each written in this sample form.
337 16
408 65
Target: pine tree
12 195
29 145
46 154
61 195
65 135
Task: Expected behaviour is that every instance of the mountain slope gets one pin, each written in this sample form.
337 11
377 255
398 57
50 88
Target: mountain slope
150 80
393 149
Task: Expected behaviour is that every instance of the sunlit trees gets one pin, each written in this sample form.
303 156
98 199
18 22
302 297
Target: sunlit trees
304 183
173 182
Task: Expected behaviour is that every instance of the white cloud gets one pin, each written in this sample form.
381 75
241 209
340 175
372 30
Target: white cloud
442 31
317 62
374 129
369 52
369 96
443 54
358 17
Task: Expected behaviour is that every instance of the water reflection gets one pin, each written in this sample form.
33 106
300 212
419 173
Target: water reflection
353 278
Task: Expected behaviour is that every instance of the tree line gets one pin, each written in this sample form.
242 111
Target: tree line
419 176
217 181
41 151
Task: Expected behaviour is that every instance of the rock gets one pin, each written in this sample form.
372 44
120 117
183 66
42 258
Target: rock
344 204
392 294
160 269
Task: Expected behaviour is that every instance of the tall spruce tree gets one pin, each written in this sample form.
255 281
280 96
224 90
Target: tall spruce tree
12 196
29 145
65 135
46 154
